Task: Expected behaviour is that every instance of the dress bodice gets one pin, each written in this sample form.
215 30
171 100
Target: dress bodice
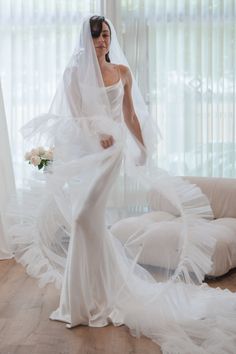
115 95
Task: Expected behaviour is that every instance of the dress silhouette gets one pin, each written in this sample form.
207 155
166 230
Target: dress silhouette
64 235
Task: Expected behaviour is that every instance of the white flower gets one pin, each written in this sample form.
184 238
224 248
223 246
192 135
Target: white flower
40 157
35 160
41 150
48 155
35 152
27 156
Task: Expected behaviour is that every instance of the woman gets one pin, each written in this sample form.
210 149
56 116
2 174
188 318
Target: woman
94 157
114 74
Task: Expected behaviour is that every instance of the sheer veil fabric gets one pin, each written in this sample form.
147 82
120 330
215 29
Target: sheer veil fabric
62 228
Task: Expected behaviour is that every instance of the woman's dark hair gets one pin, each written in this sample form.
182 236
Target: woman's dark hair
96 29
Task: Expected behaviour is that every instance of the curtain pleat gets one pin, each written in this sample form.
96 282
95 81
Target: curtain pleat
7 182
36 39
182 52
183 55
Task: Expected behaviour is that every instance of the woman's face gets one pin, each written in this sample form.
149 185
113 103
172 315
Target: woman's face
102 43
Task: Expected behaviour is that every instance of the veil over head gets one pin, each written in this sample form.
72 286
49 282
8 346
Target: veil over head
81 94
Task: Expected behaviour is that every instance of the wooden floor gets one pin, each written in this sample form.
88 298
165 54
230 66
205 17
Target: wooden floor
26 329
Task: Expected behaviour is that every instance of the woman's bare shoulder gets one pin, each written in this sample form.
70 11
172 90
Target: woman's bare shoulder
124 69
125 73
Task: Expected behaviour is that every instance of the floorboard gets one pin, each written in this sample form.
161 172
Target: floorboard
26 329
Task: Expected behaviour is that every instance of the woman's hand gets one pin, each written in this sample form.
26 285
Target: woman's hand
106 141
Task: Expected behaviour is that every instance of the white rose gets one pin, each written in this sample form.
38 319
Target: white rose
35 160
41 150
27 156
48 155
35 152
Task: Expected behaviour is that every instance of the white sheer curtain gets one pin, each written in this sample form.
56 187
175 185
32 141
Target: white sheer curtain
7 182
184 55
36 40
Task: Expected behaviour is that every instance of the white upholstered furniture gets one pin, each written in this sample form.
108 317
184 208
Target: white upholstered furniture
221 193
164 236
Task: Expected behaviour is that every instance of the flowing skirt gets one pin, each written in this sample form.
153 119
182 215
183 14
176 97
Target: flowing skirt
66 240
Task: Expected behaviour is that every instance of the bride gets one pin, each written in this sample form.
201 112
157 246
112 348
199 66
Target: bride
65 231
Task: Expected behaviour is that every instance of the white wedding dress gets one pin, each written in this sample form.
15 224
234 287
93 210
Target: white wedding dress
64 237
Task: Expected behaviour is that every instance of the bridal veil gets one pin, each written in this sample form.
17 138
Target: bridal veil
95 186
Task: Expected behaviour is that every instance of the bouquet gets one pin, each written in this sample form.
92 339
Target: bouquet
39 157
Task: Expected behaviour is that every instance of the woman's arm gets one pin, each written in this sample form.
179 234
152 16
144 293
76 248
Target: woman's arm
130 117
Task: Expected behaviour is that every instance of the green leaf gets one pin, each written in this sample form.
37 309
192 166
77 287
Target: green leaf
40 166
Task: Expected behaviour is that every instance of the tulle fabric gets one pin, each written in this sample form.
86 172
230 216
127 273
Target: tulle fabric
63 228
